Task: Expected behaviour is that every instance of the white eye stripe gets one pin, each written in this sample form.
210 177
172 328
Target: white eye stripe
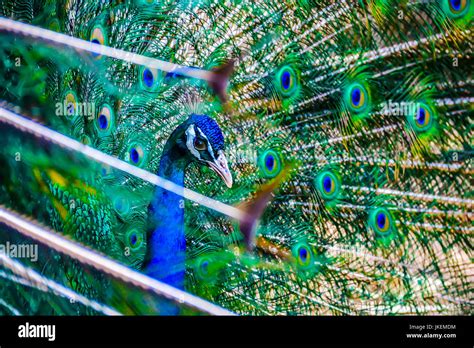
210 150
190 136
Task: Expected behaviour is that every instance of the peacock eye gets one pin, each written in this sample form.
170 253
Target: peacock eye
149 78
98 37
381 221
303 255
199 144
328 184
287 81
70 100
457 6
357 96
270 163
458 10
105 121
422 119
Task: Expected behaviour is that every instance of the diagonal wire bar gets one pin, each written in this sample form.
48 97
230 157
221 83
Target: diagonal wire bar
25 29
24 124
30 278
29 30
34 230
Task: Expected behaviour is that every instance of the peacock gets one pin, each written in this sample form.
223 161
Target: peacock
341 130
197 139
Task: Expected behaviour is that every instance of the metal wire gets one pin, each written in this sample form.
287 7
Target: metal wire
25 29
29 277
39 130
34 230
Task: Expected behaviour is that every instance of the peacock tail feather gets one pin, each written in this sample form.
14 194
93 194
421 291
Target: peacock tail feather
368 103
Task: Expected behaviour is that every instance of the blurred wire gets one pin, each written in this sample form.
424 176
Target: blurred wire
13 26
29 277
33 230
39 130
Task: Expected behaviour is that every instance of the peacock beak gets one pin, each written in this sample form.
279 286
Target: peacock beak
221 167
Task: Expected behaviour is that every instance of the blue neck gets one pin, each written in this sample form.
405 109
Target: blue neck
167 243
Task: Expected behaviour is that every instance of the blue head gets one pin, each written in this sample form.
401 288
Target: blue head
200 139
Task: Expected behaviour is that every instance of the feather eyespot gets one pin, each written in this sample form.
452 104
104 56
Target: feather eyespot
148 78
358 97
270 163
381 221
205 269
328 185
70 100
98 37
422 118
136 154
121 205
106 170
458 6
287 81
460 11
134 239
303 255
105 121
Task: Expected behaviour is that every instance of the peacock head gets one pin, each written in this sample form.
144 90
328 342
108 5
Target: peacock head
202 141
